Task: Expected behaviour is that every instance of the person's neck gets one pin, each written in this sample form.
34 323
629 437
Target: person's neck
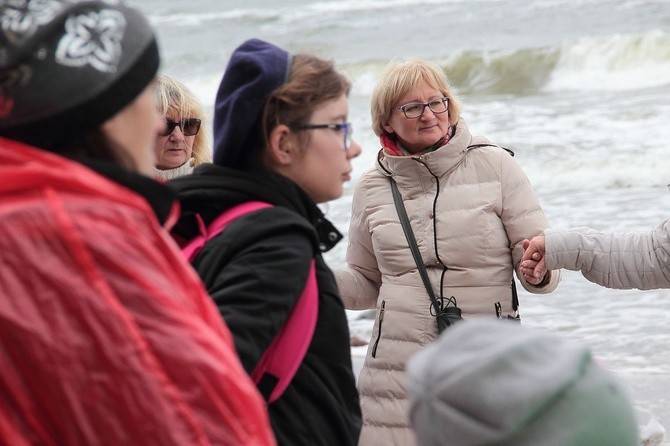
393 146
169 174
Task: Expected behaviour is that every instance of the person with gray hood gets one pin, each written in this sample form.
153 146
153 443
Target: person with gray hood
487 382
281 137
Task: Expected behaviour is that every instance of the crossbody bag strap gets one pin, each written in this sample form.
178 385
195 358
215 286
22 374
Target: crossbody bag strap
413 247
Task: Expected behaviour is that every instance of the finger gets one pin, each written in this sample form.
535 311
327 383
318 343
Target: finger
532 280
528 253
529 264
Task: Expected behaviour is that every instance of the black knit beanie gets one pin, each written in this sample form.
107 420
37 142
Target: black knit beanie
68 66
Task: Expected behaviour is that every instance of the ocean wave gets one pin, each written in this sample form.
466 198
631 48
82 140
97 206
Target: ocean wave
612 63
285 13
623 5
619 62
377 5
190 20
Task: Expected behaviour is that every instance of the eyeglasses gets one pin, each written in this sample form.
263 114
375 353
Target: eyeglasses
414 110
345 127
189 127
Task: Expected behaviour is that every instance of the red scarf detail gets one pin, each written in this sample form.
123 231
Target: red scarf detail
390 145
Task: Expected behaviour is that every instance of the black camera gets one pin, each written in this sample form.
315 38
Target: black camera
447 317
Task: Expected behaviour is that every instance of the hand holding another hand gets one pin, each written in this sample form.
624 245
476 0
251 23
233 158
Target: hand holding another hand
533 265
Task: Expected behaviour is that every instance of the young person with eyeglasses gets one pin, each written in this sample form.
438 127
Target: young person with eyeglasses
180 145
281 136
470 206
107 335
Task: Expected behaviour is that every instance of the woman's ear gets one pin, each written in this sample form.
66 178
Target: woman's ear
388 128
281 146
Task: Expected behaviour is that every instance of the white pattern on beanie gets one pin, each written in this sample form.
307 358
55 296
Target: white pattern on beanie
101 54
93 38
22 19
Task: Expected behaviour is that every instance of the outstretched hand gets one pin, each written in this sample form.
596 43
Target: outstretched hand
533 264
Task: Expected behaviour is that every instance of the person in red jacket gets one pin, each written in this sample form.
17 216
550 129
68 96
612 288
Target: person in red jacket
107 335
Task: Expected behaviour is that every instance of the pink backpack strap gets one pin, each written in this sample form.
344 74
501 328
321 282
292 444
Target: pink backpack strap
281 360
193 247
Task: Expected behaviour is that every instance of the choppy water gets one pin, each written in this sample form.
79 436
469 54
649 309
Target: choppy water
580 89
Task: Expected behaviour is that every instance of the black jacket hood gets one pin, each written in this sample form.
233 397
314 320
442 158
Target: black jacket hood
212 189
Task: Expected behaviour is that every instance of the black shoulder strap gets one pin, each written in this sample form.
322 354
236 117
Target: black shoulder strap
411 240
475 146
414 248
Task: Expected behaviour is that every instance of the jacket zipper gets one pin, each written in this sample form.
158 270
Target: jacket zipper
379 331
498 308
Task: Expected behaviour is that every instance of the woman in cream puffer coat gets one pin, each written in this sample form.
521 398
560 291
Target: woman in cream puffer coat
470 206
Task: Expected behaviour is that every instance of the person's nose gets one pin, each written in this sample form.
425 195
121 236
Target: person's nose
354 150
177 133
427 114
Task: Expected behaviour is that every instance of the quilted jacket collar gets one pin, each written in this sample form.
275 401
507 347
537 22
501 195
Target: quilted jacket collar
440 162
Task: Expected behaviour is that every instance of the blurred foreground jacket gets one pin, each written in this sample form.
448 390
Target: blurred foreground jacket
106 334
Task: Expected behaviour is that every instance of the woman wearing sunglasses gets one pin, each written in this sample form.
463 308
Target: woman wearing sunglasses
180 145
281 136
469 206
107 335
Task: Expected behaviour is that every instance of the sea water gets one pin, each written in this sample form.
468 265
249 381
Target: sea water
579 89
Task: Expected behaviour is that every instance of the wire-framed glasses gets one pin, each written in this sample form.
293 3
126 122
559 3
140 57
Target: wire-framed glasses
415 110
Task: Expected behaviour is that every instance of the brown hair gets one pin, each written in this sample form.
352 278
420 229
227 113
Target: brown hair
312 82
94 145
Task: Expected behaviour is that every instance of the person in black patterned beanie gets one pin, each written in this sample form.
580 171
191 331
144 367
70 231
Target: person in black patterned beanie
488 382
66 68
107 336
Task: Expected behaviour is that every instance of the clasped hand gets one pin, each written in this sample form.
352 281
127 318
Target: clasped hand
533 265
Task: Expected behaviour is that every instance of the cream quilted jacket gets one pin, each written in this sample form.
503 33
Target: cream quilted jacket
613 260
470 209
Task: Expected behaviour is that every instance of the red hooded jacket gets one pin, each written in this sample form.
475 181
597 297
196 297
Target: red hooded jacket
106 333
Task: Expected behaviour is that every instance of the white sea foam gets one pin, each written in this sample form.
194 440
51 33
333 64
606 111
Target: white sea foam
190 20
620 62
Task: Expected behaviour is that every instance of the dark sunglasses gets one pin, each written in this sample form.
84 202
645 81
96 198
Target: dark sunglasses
189 127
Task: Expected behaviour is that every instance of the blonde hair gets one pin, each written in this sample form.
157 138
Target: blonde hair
173 97
399 78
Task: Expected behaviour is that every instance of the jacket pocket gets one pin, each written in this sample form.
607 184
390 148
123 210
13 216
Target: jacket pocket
379 329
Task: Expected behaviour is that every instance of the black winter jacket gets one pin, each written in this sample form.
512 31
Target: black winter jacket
255 271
